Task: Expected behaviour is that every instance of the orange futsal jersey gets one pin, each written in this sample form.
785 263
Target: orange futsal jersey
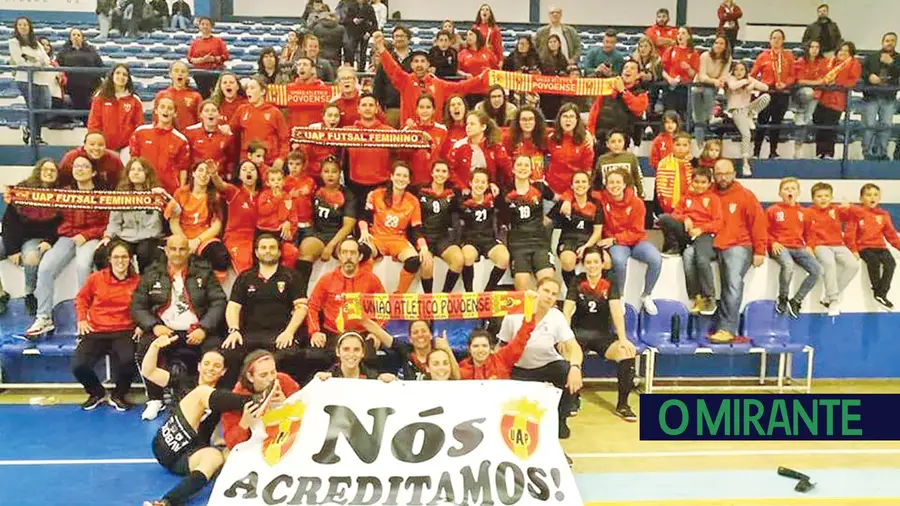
393 218
195 217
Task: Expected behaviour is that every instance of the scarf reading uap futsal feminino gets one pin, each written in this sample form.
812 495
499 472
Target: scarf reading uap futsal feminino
81 199
360 137
438 306
551 85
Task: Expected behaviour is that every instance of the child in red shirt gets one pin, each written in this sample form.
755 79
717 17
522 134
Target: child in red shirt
256 153
866 235
825 237
711 153
276 214
673 174
301 187
662 144
788 247
691 229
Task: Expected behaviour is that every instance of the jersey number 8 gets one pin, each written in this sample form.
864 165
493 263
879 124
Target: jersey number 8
436 207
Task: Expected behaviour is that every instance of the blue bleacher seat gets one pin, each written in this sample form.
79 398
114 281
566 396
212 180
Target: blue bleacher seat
702 326
631 328
769 330
656 331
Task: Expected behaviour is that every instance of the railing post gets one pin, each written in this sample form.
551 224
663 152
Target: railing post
846 129
32 117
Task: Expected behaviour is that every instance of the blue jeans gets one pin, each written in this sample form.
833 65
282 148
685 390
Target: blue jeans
29 258
644 252
734 263
697 259
180 22
40 99
53 263
877 112
703 100
787 259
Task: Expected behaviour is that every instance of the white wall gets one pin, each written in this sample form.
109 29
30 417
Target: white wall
609 12
510 11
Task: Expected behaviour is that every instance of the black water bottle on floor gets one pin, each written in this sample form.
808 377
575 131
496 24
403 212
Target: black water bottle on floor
676 328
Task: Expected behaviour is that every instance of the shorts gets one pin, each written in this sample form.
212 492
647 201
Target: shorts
569 244
323 235
591 340
176 462
240 249
303 233
391 246
483 245
438 245
531 259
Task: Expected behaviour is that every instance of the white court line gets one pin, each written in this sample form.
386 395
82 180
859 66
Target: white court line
74 462
734 453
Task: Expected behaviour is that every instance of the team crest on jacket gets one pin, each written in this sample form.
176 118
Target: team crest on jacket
878 220
705 202
687 202
520 426
127 107
282 426
267 116
831 213
199 282
732 207
281 286
779 216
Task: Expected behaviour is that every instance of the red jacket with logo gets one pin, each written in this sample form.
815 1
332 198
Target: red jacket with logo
567 158
108 167
302 190
869 228
234 434
228 109
823 226
704 210
272 211
421 159
328 297
622 219
370 166
660 148
167 151
116 118
499 364
216 146
262 123
786 224
744 223
499 165
104 301
187 106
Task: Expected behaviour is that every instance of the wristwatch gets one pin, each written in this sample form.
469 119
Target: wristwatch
233 330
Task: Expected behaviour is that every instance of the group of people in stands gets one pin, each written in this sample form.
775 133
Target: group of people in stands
494 182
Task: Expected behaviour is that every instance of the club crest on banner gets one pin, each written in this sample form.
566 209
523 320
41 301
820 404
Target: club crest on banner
520 426
282 425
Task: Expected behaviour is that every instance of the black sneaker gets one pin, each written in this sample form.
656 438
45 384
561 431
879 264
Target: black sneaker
564 431
881 299
4 303
782 305
794 308
30 304
671 253
92 402
119 403
626 413
576 406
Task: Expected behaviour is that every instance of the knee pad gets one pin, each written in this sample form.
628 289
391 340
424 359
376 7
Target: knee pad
412 264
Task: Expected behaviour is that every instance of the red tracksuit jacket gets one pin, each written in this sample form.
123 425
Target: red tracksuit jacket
328 297
302 190
105 301
262 123
565 160
116 118
823 226
108 167
166 149
370 166
744 223
499 165
187 106
868 229
227 110
421 159
704 210
272 211
786 225
623 219
499 364
660 148
216 145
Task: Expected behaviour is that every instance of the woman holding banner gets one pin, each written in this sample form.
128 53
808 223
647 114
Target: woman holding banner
350 351
315 154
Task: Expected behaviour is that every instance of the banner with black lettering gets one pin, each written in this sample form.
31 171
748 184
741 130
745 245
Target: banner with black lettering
438 306
361 138
365 442
552 85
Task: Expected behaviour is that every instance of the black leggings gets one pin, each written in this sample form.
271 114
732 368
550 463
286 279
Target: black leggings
825 139
92 348
880 264
772 117
217 255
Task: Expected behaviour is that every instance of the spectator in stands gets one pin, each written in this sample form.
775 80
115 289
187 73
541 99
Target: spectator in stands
25 51
497 107
605 60
258 120
787 246
481 147
552 355
715 67
456 42
187 100
227 96
141 230
743 107
491 34
811 68
673 175
347 104
690 230
161 14
104 11
306 80
729 14
105 327
650 65
240 227
116 110
381 13
880 69
570 41
621 110
825 237
316 155
617 157
442 58
524 58
709 154
322 66
258 374
315 11
823 30
844 73
76 52
182 18
179 297
476 57
325 301
741 242
422 160
208 53
29 232
79 235
135 14
388 96
527 136
661 146
276 213
265 309
360 22
331 35
680 64
571 149
553 63
267 69
455 113
58 98
775 68
661 34
106 163
207 141
867 232
292 49
162 145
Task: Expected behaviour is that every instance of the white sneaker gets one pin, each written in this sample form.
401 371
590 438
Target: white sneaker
42 325
834 309
152 409
746 171
649 306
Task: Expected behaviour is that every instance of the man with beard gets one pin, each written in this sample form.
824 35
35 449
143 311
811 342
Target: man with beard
824 31
328 296
307 81
265 311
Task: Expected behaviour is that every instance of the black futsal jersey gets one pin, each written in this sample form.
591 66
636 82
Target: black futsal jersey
525 216
330 207
479 221
176 440
576 229
437 216
591 319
